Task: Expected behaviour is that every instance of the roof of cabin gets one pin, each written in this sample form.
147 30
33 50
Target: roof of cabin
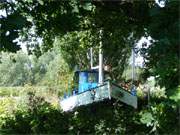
90 71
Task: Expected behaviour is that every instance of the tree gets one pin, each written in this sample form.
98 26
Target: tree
10 25
76 25
14 71
60 18
163 55
118 26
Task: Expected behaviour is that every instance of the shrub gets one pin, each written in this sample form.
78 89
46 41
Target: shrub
160 118
39 117
107 117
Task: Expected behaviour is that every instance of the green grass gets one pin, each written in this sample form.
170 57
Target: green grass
50 94
18 91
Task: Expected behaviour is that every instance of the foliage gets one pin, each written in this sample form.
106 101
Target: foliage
19 91
159 116
163 55
175 95
29 13
13 70
106 117
83 30
74 46
39 117
73 26
10 91
19 69
9 28
77 23
7 105
57 71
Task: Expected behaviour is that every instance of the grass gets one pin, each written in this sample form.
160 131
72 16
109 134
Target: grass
50 94
17 91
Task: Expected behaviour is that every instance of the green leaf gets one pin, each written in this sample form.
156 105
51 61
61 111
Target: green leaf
147 118
87 6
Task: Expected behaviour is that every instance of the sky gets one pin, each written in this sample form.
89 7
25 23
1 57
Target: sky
2 13
138 58
161 3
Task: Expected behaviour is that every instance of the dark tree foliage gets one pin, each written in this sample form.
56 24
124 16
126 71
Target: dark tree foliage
10 25
123 25
163 55
51 18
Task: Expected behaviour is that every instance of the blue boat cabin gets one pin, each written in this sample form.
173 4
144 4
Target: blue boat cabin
88 91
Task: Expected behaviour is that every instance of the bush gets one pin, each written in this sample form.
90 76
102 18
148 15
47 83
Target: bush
161 118
7 105
107 117
39 117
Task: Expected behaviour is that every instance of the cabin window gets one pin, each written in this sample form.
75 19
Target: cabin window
92 77
83 77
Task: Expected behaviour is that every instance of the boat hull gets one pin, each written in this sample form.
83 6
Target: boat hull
107 91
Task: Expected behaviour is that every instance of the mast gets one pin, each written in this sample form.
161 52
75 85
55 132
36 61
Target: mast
91 53
100 66
133 65
101 75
